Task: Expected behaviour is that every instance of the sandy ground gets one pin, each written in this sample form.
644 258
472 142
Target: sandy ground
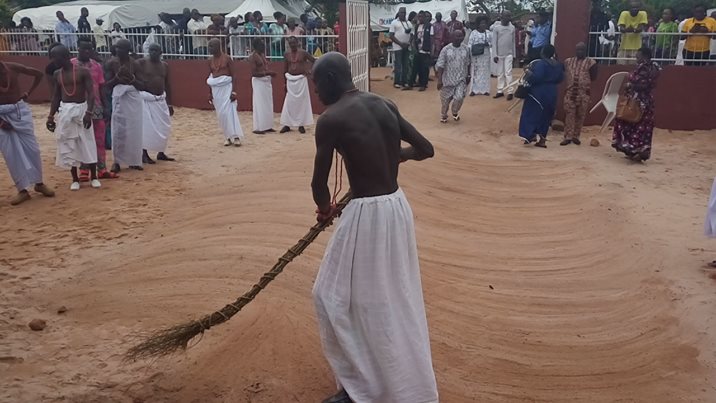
558 275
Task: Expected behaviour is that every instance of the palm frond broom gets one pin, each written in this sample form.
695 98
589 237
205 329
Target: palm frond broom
167 341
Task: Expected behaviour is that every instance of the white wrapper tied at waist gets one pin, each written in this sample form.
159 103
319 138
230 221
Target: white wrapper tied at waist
263 103
226 110
20 118
127 122
19 146
369 304
75 143
710 225
297 104
156 122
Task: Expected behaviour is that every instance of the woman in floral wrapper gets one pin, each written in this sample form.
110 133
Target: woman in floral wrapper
634 139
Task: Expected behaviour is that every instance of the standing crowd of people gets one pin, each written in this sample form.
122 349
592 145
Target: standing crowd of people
682 39
96 102
464 55
186 36
633 130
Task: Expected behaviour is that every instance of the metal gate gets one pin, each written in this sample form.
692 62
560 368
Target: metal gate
358 24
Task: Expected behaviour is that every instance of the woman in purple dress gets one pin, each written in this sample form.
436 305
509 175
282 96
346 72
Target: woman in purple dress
634 139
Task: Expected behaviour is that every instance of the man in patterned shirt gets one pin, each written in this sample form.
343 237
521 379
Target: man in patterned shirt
453 75
580 71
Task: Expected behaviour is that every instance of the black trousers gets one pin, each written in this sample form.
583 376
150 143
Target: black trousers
400 67
421 69
696 58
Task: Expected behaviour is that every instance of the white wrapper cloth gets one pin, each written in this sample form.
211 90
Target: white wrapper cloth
156 122
297 104
263 103
710 225
226 110
75 144
369 304
19 146
127 137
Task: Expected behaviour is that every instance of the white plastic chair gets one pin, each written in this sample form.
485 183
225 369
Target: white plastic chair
610 98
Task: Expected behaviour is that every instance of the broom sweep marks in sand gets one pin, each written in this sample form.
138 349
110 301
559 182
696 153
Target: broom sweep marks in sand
167 341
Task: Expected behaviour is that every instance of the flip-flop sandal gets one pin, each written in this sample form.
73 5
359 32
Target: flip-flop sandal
107 175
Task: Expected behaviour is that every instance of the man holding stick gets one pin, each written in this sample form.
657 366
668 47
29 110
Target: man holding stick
368 293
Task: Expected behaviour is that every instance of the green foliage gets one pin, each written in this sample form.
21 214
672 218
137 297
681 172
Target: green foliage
327 8
5 13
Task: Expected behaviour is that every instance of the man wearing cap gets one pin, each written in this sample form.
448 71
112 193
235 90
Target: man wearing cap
100 38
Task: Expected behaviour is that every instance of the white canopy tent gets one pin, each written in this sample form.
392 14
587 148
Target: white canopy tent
268 7
127 15
131 13
167 6
381 15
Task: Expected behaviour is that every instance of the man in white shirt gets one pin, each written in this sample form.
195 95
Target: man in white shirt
197 27
401 32
100 37
504 45
237 46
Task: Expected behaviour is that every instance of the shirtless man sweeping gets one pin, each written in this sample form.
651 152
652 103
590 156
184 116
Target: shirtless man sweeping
17 133
262 89
368 295
156 119
222 94
75 99
297 104
127 107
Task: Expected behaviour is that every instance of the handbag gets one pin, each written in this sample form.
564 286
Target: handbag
629 109
477 49
522 91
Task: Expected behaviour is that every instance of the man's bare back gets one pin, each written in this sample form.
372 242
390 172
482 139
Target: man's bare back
369 141
10 91
153 75
220 65
365 129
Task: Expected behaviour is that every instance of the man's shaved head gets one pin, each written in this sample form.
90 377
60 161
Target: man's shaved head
123 47
59 50
155 52
60 55
332 75
124 44
214 47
